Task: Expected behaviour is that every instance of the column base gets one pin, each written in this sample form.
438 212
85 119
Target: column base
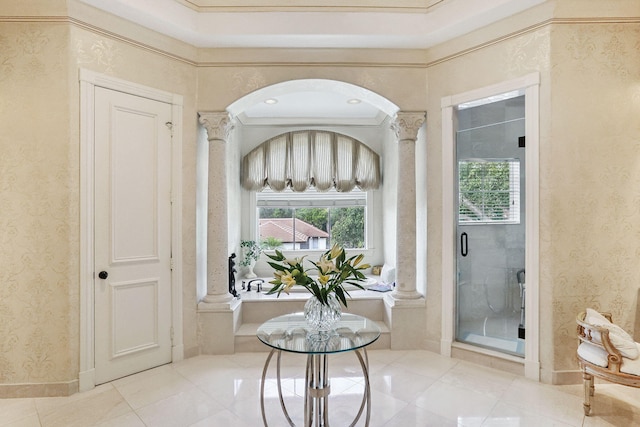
225 298
398 294
217 324
407 322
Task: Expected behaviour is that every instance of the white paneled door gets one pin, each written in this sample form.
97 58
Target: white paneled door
132 234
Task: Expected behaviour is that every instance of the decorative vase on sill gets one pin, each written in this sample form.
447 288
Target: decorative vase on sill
250 254
249 274
333 270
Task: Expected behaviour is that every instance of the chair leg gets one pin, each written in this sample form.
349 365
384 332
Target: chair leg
587 380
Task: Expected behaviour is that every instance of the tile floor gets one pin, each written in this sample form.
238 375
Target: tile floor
409 388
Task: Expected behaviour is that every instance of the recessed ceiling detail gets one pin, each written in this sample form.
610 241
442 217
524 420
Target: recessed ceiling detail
310 5
331 24
222 24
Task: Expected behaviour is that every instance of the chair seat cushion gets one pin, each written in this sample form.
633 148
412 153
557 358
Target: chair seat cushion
593 354
598 356
618 336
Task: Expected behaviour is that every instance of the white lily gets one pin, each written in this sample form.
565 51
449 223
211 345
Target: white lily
325 265
323 279
288 281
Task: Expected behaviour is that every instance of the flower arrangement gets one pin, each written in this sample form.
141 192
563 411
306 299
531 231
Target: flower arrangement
251 251
333 270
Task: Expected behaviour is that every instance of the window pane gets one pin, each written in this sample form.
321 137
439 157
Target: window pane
311 226
347 227
489 191
311 220
276 228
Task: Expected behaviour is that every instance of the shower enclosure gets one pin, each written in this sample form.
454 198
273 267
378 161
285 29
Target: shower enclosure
491 288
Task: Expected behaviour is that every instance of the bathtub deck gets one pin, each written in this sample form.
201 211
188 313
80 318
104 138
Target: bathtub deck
257 307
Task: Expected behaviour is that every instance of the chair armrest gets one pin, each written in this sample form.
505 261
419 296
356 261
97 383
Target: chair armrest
599 336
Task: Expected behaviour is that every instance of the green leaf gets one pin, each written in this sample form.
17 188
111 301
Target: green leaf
315 289
277 257
341 296
277 267
356 284
274 290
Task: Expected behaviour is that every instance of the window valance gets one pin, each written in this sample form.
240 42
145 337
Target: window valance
301 159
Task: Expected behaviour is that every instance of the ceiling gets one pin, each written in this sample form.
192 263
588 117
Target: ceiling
312 108
331 24
395 24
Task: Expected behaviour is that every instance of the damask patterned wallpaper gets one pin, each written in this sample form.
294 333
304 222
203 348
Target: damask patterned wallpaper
590 189
39 209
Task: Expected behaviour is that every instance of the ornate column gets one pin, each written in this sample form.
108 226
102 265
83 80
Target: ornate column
218 126
406 127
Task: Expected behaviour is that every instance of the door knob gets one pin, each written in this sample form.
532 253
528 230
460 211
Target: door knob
103 275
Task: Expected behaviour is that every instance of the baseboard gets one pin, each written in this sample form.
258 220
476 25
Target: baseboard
177 353
87 380
489 358
432 346
566 377
191 352
59 389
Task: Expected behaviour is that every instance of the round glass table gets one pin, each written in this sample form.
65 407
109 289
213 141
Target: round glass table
291 333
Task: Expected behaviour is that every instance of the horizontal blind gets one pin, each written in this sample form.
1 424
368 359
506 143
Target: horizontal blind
489 191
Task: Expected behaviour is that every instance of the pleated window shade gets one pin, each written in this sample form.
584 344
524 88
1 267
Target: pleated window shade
302 159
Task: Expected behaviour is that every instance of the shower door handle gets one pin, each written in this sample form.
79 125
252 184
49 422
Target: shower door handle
464 244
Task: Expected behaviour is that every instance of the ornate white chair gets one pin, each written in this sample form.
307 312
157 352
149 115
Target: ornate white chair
605 351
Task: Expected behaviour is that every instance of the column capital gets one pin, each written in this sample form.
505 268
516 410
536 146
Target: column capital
407 124
217 123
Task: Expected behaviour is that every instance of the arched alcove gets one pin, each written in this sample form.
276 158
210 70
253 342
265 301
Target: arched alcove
232 213
319 104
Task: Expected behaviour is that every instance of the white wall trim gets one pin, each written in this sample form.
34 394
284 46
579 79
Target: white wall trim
114 83
89 80
448 229
176 229
531 84
532 229
87 327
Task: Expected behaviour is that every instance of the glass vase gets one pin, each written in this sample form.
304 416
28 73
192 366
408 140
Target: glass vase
320 317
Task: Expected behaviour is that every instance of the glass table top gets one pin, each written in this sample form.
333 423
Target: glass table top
291 333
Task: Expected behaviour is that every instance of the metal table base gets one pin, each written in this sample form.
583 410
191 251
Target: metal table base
317 389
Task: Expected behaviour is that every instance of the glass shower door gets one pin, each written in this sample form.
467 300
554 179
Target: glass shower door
490 223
